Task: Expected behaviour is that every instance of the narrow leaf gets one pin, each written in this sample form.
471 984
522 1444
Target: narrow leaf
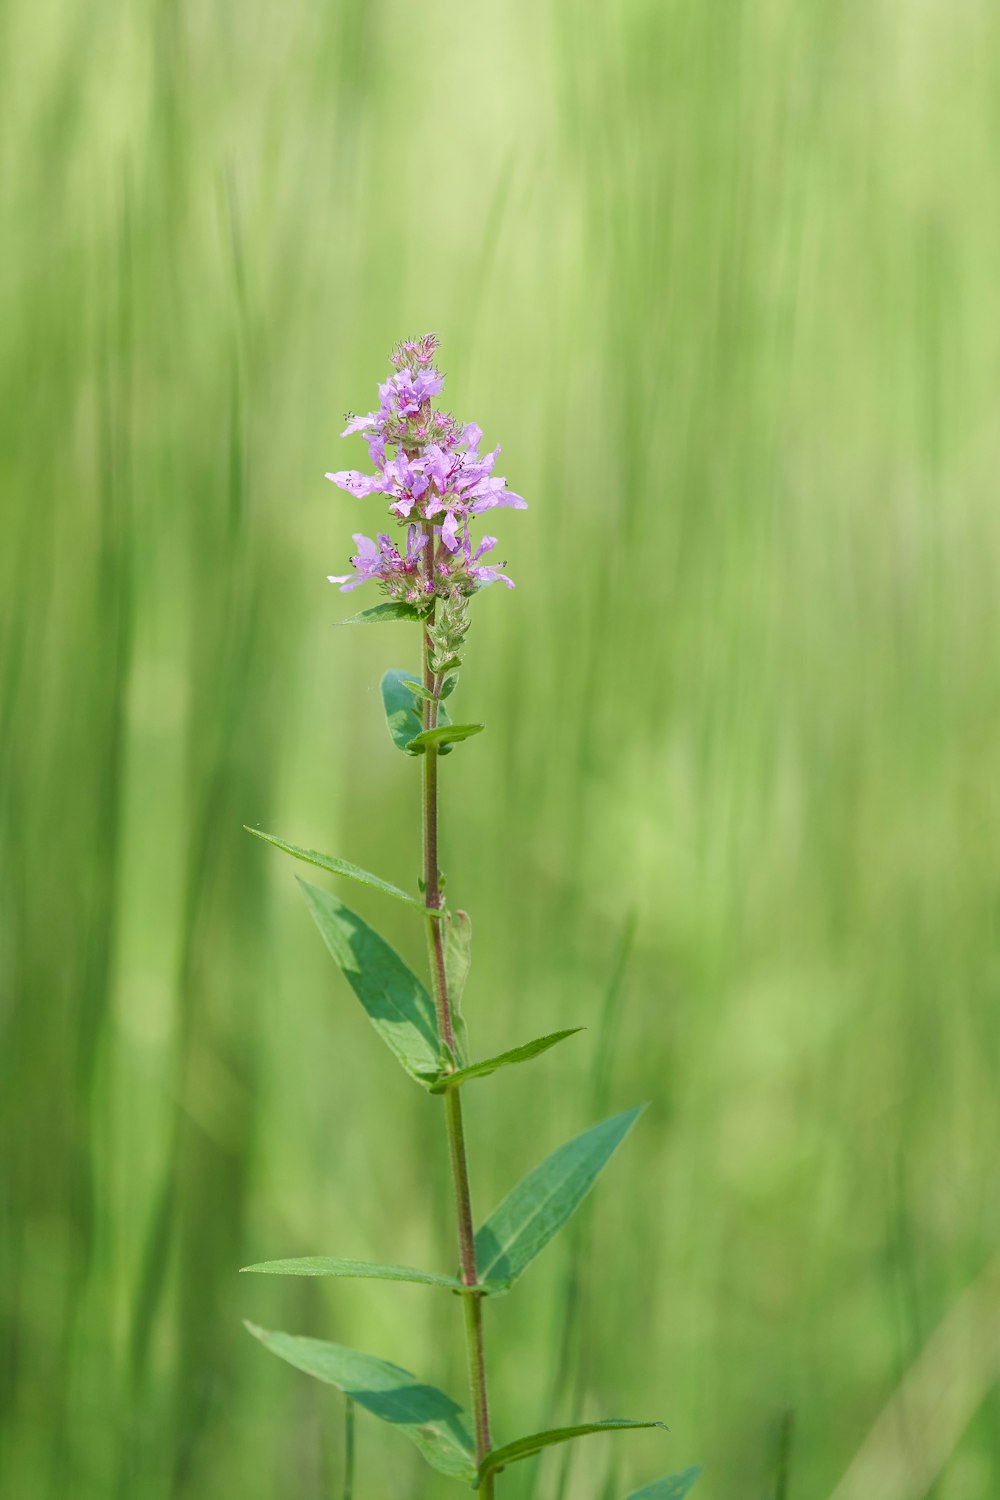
391 610
674 1487
398 1006
338 867
527 1447
361 1270
457 962
502 1060
542 1202
365 1270
445 734
418 690
426 1415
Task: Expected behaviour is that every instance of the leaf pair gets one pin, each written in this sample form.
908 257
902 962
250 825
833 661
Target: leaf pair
400 695
396 1001
516 1232
427 1416
402 1012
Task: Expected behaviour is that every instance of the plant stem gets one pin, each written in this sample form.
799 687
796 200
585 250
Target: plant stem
348 1449
472 1302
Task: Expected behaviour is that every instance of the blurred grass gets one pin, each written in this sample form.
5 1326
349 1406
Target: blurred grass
722 280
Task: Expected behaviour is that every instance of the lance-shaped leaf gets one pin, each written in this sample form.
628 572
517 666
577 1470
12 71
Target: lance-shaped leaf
366 1270
360 1270
674 1487
542 1202
502 1060
390 610
457 962
402 715
426 1415
398 1006
444 735
418 690
337 866
527 1447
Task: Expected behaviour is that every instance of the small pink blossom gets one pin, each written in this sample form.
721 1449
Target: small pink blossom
435 482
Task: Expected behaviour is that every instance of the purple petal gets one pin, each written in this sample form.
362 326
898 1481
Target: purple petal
449 531
358 424
438 466
492 575
355 483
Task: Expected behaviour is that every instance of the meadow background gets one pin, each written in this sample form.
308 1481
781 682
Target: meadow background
722 279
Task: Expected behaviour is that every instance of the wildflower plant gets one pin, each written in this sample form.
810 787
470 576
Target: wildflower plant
436 483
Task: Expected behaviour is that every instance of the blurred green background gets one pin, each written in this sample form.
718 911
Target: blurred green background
722 279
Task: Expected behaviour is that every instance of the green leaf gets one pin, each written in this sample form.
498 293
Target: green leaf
527 1447
426 1415
457 962
418 690
401 712
338 867
398 1006
368 1271
391 610
674 1487
362 1270
445 734
502 1060
365 1270
542 1202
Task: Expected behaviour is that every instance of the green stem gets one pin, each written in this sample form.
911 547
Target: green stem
348 1448
472 1304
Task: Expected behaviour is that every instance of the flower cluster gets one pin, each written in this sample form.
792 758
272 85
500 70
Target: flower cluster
400 573
435 482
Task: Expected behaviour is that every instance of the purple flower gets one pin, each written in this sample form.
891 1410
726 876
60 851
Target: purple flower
382 562
488 573
414 352
358 424
358 484
436 481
